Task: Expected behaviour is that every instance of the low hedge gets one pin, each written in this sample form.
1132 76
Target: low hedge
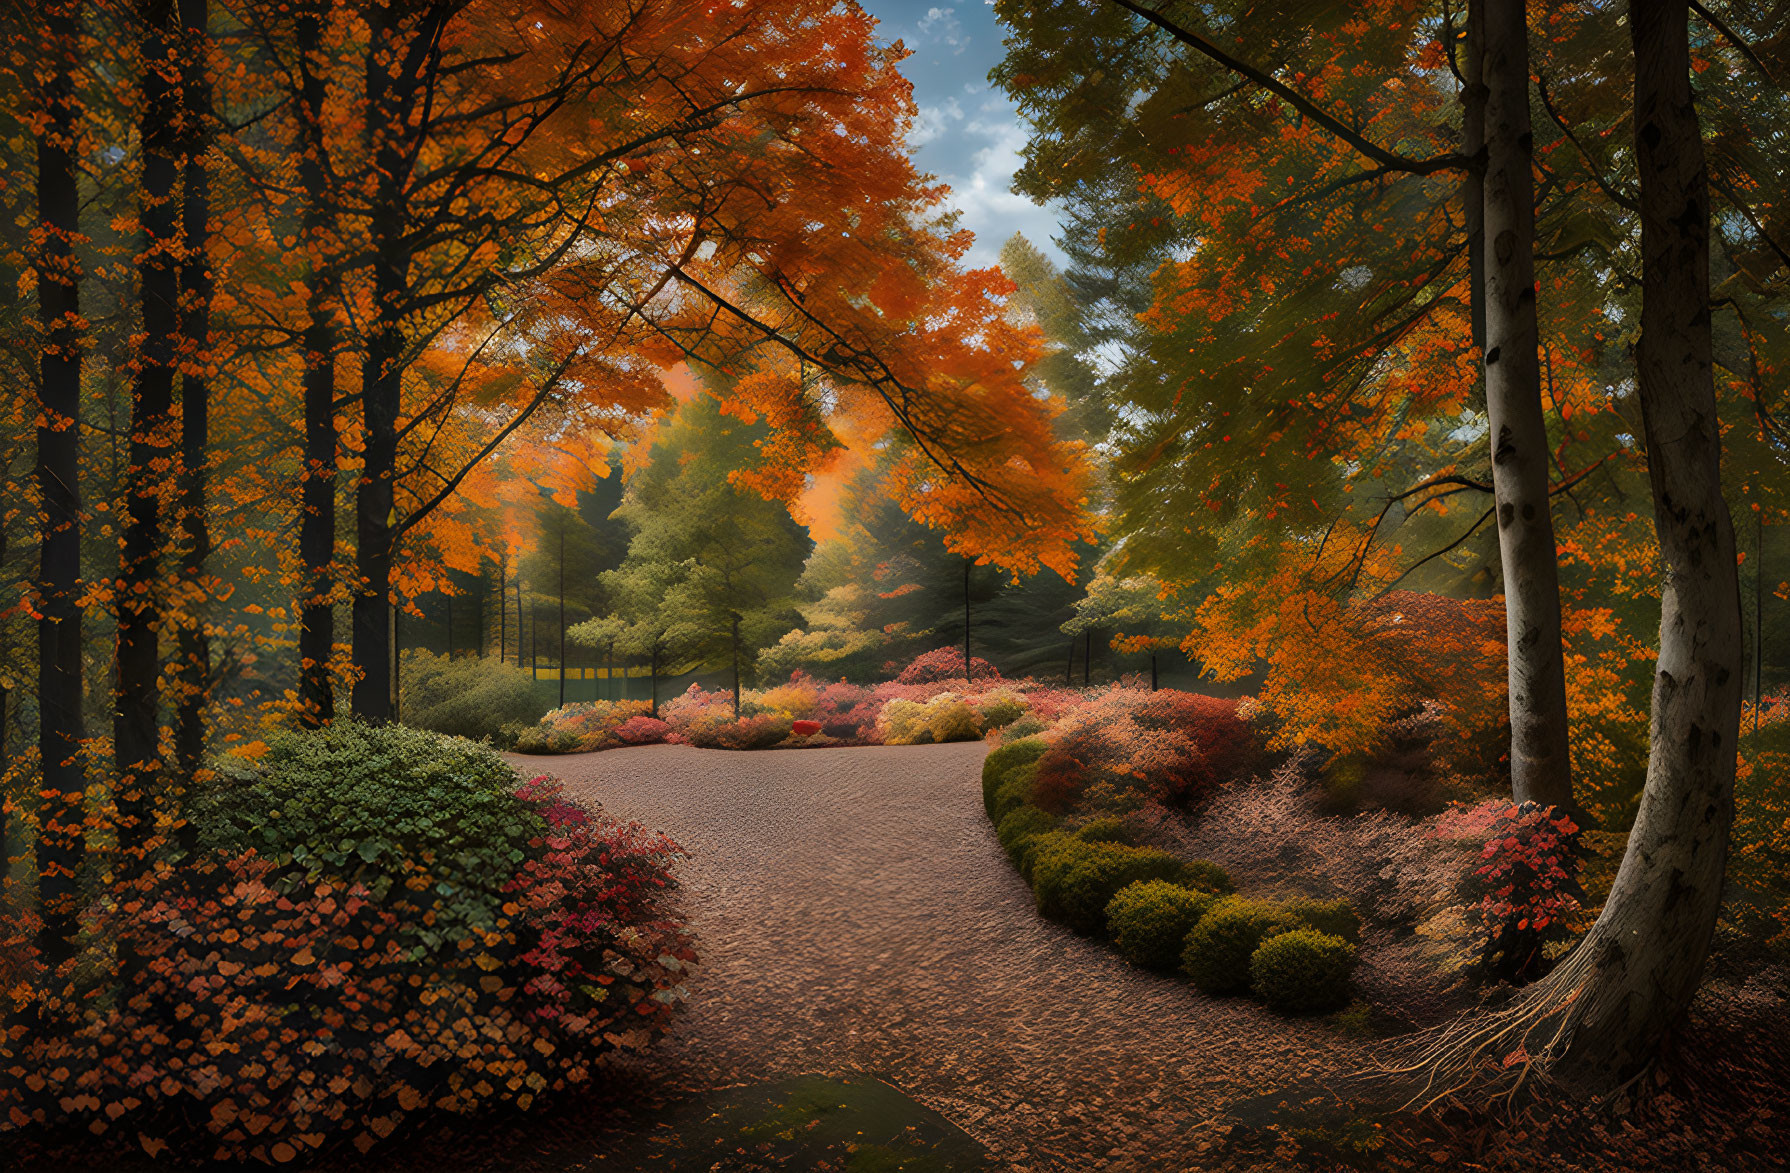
1020 827
1149 921
1216 955
1302 971
1005 765
1335 917
1074 880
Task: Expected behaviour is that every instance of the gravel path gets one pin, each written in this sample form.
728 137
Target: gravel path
854 913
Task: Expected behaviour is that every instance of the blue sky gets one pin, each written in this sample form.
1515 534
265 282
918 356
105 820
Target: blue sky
968 133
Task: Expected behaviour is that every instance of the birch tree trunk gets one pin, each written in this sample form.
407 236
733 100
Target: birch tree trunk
1597 1020
1646 953
1540 768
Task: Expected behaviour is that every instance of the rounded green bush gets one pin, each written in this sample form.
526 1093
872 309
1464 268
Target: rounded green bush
1025 728
376 803
1336 917
1104 830
1149 921
1030 850
1302 971
1000 767
1216 955
1205 876
1022 825
1074 881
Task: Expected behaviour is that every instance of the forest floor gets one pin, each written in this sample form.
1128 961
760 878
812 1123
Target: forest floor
854 915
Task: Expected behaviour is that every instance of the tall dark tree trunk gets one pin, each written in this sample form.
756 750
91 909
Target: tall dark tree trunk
968 681
1087 658
1152 669
60 725
1069 667
736 666
1758 615
562 613
654 669
503 608
136 729
609 672
389 99
317 518
195 387
1597 1020
397 662
1540 767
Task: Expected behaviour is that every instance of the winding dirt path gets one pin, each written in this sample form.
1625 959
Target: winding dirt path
854 913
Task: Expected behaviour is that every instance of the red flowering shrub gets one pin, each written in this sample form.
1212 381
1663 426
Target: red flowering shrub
1523 894
1127 748
642 731
943 664
262 1015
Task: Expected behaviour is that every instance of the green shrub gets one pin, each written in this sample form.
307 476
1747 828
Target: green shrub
1074 881
1104 830
1149 921
1000 709
466 696
1029 850
1302 971
1020 826
1336 917
1218 949
374 804
1002 765
1026 727
1205 876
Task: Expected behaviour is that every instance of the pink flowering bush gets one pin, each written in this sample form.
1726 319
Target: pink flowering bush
945 664
1128 748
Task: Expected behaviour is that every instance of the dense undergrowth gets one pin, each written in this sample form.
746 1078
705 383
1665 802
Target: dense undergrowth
369 929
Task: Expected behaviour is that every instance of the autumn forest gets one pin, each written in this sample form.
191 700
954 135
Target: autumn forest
528 524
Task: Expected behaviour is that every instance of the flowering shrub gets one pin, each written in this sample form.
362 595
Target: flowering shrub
642 731
796 700
268 1017
945 664
1523 893
946 717
1128 748
582 727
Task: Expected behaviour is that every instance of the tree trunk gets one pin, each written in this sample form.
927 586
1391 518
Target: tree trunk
1473 94
503 607
195 386
1540 767
1758 615
397 682
562 613
60 724
1597 1020
655 673
140 598
968 680
382 375
317 519
1644 957
1152 669
1069 667
736 666
1087 658
609 671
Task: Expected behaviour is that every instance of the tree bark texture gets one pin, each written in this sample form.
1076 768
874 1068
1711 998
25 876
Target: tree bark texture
317 518
1646 953
60 724
1540 765
136 733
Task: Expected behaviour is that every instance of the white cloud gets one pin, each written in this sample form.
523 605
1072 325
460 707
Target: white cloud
934 122
942 25
983 197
